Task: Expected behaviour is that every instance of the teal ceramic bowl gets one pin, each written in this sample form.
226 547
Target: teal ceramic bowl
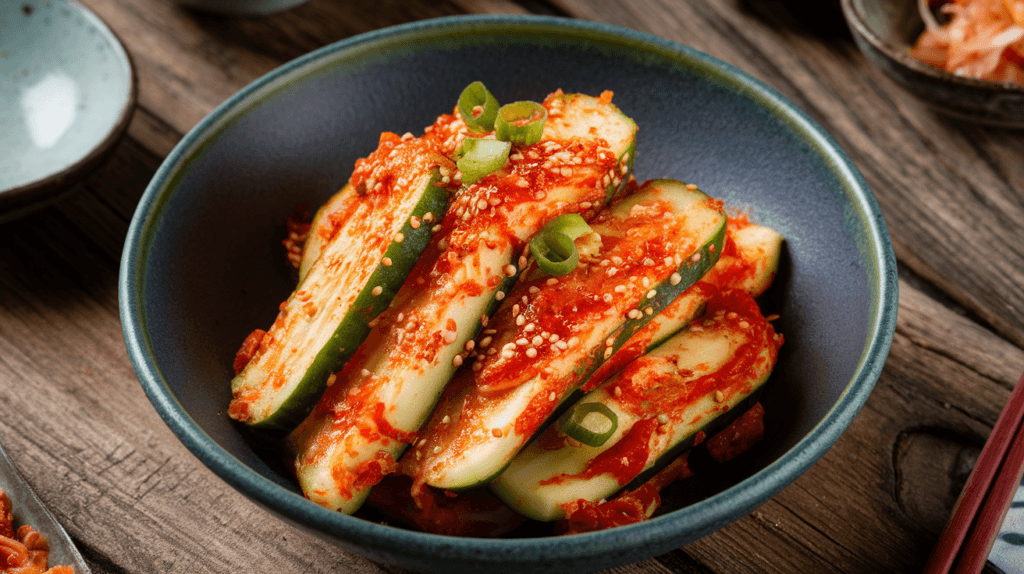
203 264
66 94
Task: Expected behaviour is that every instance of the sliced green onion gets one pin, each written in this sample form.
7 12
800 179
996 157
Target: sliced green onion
591 423
553 247
554 252
521 123
476 94
571 224
481 157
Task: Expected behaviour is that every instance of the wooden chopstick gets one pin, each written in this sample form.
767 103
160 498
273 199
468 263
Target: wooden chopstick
986 526
975 492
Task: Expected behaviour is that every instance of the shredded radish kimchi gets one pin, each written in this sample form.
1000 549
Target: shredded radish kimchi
983 39
23 551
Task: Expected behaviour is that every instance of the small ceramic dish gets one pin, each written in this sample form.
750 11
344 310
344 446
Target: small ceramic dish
885 31
67 90
203 263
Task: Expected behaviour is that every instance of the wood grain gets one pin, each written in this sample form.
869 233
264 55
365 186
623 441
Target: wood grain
75 420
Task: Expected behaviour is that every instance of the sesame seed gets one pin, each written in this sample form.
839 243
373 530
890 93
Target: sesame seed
490 331
499 295
531 352
510 270
509 347
331 379
447 419
648 262
534 290
696 257
410 326
437 449
620 288
496 432
470 345
744 324
719 396
731 315
399 237
481 204
515 309
478 365
522 182
607 297
377 290
574 341
607 352
609 341
633 314
586 205
486 342
494 201
625 169
562 345
551 281
691 186
566 171
522 262
428 217
649 311
386 261
483 320
645 282
457 360
491 351
522 342
364 372
668 261
663 419
675 278
552 397
651 294
529 327
611 272
618 391
537 340
520 321
414 222
508 354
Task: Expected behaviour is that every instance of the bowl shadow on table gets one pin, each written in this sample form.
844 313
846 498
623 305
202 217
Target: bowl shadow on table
819 18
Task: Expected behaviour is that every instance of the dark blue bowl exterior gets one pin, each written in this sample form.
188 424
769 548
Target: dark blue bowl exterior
203 264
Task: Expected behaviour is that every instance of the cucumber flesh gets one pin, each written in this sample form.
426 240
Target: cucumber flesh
389 389
690 384
551 334
322 323
749 262
321 229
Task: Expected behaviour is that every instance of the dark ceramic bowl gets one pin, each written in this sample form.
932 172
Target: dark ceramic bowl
203 264
885 31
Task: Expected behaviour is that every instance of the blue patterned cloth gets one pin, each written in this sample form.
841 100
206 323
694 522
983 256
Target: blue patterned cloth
1008 550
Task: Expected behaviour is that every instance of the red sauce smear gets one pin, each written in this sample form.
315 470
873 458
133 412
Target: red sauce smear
248 350
472 513
24 551
624 460
638 505
670 395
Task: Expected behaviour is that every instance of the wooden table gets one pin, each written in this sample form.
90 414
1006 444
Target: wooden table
74 418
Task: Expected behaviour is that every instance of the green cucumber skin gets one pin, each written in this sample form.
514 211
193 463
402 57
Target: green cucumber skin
354 328
713 426
690 271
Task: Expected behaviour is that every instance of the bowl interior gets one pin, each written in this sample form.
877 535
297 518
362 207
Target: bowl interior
204 263
68 82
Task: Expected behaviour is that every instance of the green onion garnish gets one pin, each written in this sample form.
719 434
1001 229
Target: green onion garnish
481 157
591 423
553 247
521 123
554 252
482 120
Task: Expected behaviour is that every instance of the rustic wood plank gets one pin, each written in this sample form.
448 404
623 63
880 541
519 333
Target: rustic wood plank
942 185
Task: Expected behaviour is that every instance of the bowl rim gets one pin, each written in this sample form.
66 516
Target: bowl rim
21 195
713 512
859 26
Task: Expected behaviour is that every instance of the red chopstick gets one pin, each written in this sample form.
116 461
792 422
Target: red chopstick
986 526
991 462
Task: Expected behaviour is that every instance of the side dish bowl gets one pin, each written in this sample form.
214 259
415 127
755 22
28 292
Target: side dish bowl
203 263
886 30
